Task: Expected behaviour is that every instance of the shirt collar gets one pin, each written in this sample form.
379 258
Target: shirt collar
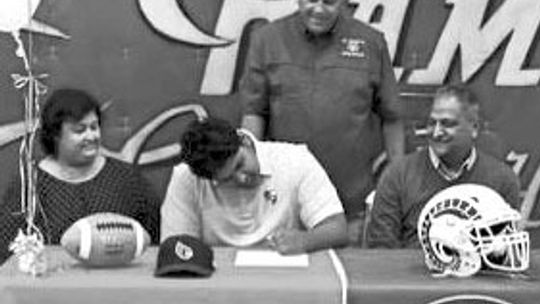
264 162
445 172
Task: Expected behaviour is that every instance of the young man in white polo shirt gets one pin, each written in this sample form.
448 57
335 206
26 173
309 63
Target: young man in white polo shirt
233 190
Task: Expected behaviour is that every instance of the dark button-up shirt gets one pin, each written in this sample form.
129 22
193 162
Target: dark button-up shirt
328 91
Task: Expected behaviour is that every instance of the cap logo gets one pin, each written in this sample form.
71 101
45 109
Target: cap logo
183 251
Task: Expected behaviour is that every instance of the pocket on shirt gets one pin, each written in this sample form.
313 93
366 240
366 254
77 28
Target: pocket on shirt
352 82
288 81
349 73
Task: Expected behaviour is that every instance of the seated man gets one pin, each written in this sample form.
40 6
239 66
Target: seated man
450 158
233 190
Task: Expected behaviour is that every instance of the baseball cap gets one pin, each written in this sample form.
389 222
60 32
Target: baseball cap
184 256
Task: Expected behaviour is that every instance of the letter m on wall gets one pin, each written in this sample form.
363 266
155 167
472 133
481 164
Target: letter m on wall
477 40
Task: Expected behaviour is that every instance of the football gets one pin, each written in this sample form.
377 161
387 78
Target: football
105 240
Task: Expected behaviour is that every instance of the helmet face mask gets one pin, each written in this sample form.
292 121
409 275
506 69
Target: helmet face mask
468 227
504 248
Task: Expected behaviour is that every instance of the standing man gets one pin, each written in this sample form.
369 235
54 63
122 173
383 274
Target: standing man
451 158
322 78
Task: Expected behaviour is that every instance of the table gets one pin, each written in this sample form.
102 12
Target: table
400 276
371 276
69 282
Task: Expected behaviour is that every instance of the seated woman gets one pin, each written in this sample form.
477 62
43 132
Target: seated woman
74 179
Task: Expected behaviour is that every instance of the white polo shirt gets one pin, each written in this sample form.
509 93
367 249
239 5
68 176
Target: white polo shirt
295 193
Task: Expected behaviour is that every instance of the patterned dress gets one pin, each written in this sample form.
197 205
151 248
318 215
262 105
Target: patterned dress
117 188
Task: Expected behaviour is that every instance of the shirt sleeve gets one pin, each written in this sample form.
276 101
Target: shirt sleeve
386 99
148 201
254 83
384 229
317 195
180 212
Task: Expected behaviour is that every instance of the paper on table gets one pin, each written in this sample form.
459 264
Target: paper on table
268 258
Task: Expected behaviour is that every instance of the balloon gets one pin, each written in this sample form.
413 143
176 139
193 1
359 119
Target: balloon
14 14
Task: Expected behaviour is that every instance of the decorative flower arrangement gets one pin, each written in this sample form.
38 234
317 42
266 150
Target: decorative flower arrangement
30 253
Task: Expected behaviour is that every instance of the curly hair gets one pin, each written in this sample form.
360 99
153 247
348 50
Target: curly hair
208 144
64 105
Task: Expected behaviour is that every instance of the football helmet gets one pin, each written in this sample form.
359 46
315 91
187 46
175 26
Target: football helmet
469 227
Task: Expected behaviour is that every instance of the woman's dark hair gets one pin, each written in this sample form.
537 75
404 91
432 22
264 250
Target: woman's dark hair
64 105
207 145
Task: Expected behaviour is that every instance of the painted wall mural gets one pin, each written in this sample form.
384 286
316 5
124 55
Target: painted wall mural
157 64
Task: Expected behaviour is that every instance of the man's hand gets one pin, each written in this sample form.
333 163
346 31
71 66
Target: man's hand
330 232
290 241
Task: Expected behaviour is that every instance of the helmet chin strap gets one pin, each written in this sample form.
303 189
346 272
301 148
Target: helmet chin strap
469 264
461 265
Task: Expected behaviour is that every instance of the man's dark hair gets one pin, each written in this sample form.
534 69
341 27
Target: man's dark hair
464 95
208 144
64 105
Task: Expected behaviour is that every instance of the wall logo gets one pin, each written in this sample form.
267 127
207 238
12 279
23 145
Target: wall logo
470 32
474 32
469 299
169 19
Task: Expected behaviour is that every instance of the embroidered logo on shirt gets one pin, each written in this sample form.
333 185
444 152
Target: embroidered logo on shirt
183 251
353 48
271 196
